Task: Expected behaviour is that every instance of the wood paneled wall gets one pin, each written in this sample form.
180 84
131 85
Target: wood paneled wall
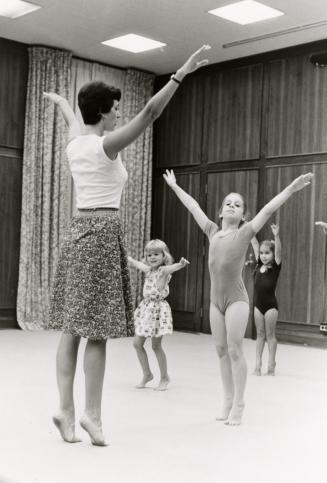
265 116
13 85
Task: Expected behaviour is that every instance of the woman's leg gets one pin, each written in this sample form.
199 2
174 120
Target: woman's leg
162 361
271 317
138 344
66 367
259 320
94 368
236 319
218 331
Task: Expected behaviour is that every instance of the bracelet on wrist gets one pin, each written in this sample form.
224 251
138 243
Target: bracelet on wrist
173 78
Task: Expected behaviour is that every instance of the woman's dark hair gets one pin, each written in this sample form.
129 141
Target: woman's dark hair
96 98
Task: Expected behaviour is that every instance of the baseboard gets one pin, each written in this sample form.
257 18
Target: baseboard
8 319
304 334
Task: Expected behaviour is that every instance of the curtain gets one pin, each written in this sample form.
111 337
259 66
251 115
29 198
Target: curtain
136 199
44 188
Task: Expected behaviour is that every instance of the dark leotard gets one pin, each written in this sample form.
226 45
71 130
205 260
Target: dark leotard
265 286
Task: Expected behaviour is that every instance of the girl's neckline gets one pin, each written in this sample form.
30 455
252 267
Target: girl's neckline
223 235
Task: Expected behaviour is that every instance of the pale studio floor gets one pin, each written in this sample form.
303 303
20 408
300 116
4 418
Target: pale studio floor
164 437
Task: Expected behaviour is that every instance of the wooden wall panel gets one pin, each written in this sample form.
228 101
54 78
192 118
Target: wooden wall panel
174 224
297 110
178 131
13 83
220 184
302 286
10 210
232 119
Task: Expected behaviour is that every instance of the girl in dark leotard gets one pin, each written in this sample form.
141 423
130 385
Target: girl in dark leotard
265 304
229 303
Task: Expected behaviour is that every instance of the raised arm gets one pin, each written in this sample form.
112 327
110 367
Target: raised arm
139 265
187 200
263 216
323 225
122 137
278 245
174 267
67 112
255 246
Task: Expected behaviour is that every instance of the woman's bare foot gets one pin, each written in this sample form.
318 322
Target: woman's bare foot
66 427
94 430
257 371
226 409
235 416
144 381
271 370
163 384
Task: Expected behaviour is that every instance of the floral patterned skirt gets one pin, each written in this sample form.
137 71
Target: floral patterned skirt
91 295
153 318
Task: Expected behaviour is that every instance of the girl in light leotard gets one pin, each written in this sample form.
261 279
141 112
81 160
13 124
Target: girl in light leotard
229 307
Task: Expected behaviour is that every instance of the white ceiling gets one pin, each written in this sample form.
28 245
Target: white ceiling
81 25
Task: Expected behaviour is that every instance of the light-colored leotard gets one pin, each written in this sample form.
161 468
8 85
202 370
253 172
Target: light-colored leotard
226 262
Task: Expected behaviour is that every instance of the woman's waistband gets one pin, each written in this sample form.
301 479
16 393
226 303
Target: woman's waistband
96 211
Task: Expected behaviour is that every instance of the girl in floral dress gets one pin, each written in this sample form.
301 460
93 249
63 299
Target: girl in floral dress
153 317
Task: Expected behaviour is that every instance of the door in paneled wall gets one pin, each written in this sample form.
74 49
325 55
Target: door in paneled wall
175 226
301 291
178 131
219 184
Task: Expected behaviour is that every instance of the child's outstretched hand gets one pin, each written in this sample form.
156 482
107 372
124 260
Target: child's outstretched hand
184 262
52 96
275 229
302 181
323 225
170 178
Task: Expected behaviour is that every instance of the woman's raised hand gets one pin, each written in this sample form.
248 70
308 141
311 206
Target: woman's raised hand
194 62
300 182
323 225
169 177
52 96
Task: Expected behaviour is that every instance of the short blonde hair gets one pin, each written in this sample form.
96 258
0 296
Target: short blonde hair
157 244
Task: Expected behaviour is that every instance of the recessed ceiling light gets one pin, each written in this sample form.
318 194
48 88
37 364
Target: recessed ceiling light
245 12
16 8
133 43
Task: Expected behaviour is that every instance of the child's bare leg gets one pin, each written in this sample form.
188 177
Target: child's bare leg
138 344
261 338
271 317
162 361
94 368
236 319
218 330
66 367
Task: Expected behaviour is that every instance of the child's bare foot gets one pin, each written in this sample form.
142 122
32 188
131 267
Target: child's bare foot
94 430
163 384
270 371
235 416
227 406
66 427
144 381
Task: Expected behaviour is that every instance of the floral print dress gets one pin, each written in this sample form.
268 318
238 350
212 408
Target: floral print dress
153 317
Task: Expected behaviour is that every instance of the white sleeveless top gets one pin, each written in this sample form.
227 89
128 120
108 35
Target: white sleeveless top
99 181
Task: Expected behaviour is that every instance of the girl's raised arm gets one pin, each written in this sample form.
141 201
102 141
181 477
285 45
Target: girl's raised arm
139 265
120 138
266 212
278 245
187 200
67 112
174 267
